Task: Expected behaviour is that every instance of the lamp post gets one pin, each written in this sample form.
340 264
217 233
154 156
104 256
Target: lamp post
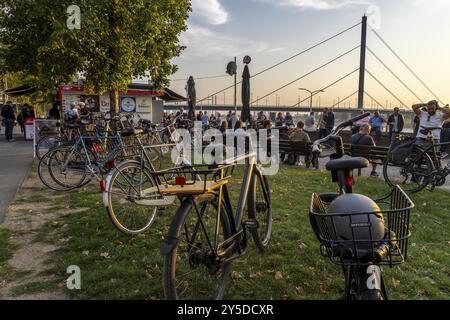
312 93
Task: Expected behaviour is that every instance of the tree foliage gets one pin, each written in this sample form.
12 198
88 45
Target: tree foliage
119 40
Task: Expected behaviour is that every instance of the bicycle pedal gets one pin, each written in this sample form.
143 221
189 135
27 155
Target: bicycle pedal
251 224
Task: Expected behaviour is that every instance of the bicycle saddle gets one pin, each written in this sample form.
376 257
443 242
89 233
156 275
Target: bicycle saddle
347 164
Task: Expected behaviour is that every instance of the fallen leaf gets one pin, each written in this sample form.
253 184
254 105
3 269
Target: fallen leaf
85 252
278 275
395 283
255 275
323 289
105 255
300 291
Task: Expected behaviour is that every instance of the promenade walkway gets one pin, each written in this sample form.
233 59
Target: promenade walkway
15 161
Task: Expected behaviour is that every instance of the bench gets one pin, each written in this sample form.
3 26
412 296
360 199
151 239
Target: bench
298 148
374 154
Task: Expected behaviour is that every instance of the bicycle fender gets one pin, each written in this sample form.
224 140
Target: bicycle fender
105 193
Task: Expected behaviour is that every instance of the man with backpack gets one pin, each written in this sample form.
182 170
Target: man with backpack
10 118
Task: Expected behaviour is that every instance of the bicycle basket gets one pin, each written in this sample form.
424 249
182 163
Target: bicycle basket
193 180
389 249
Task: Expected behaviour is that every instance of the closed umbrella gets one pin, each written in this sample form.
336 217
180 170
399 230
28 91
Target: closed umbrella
191 97
245 115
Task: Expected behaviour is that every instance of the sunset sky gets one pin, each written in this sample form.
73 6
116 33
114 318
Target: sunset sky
273 30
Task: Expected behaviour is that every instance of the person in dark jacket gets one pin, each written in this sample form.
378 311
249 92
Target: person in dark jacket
396 122
54 113
10 118
330 121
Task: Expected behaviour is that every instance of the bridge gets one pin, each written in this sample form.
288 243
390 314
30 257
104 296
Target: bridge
226 108
361 92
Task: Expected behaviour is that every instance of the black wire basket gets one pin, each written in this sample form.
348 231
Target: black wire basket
358 244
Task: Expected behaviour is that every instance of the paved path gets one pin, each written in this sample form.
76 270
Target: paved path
15 161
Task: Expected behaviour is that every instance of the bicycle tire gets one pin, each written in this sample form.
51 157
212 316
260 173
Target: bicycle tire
426 167
43 146
45 176
148 214
260 209
173 252
75 165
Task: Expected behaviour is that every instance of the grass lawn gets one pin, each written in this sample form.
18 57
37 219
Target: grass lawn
114 266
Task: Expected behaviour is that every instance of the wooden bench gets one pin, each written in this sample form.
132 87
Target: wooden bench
374 154
298 148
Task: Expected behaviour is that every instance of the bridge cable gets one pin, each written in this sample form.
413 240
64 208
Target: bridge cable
378 103
330 85
386 88
286 60
406 65
306 74
393 73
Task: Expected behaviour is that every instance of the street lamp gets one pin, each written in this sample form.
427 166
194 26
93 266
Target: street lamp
312 93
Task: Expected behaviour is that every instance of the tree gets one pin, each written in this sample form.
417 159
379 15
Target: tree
118 40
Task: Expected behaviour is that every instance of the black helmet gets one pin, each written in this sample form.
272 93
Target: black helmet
349 225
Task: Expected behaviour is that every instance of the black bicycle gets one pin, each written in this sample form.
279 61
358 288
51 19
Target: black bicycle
420 166
355 232
207 234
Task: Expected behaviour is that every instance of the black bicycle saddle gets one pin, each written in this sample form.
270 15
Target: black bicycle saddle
348 164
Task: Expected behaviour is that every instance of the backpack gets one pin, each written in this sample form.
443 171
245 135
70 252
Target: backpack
399 151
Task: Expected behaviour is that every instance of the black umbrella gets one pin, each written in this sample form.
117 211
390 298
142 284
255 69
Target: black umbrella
245 115
191 97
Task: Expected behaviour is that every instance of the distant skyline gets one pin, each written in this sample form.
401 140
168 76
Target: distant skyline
273 30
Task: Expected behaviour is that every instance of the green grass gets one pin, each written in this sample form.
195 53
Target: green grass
6 252
114 266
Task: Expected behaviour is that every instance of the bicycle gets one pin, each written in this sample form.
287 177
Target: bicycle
421 167
354 232
207 234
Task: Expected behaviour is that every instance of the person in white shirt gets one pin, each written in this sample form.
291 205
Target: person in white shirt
432 118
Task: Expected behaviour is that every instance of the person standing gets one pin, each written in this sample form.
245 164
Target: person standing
432 118
54 113
323 124
310 123
10 118
396 122
377 125
330 122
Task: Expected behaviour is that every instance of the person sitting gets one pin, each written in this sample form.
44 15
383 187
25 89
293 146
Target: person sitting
72 112
299 135
364 138
279 120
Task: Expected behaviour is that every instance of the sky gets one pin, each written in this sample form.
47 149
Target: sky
272 30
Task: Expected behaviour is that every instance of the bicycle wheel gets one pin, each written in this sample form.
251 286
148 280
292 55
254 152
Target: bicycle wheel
131 185
413 176
45 176
260 209
192 270
44 145
67 166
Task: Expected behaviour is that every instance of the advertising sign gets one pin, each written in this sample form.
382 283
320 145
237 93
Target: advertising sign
128 104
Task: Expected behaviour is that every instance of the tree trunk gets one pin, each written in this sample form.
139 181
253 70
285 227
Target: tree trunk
114 101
